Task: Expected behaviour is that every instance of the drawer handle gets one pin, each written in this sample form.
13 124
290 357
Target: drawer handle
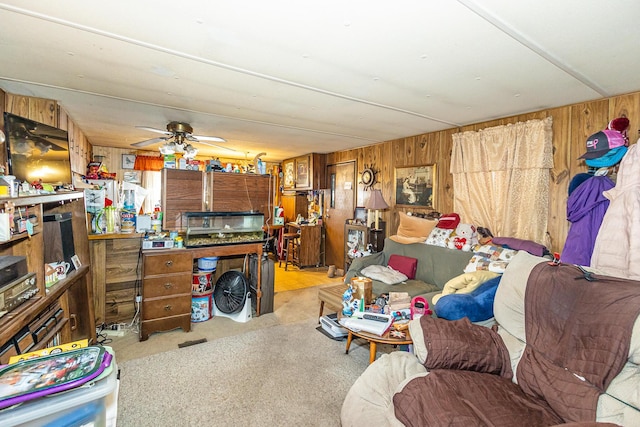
167 308
168 263
168 285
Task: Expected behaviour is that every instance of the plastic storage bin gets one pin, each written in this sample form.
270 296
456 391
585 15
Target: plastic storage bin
85 405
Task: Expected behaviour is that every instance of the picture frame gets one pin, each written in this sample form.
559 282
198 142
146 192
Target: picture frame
133 177
302 173
76 262
289 179
128 161
415 186
360 215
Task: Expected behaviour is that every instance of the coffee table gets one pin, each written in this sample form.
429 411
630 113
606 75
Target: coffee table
374 340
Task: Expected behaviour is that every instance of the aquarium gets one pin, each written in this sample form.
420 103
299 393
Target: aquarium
223 228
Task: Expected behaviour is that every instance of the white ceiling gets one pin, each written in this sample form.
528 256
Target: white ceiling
293 77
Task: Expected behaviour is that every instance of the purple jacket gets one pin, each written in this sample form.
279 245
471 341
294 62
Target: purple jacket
586 207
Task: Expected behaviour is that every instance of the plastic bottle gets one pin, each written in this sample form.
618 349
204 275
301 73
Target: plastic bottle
129 200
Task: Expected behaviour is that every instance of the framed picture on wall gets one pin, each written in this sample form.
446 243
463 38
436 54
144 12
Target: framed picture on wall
288 179
302 172
416 186
128 161
132 176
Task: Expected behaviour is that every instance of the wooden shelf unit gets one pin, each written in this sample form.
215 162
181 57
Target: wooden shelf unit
73 293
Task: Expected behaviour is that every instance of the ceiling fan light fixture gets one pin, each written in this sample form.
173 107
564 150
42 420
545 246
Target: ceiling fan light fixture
168 148
190 151
180 135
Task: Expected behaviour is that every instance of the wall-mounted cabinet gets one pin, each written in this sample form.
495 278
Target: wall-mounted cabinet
304 172
294 204
80 150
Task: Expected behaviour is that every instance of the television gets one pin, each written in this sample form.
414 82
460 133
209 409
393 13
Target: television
36 151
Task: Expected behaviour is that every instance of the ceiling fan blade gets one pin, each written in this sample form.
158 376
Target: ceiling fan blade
150 129
149 142
208 138
217 146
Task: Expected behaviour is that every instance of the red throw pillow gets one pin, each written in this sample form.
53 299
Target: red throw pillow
449 221
404 264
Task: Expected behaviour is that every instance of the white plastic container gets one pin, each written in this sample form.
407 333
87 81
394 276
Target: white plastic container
208 263
84 405
11 186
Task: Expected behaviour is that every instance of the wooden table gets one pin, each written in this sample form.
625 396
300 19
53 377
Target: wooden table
374 340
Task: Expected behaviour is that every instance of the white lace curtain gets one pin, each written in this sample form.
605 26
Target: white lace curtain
501 178
152 181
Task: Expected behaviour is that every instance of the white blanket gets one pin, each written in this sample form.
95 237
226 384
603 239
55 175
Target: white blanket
384 274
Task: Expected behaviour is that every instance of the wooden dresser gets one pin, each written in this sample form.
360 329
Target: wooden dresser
166 284
166 292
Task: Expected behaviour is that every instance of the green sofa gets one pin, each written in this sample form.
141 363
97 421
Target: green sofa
436 266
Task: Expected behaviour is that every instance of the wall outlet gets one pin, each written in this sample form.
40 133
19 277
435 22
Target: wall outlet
138 298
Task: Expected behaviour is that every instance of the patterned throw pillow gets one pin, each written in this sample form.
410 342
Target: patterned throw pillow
490 257
439 237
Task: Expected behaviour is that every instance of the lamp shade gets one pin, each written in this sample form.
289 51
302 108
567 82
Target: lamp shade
376 201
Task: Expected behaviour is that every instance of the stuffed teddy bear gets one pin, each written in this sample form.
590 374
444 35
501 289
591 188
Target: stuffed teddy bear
464 238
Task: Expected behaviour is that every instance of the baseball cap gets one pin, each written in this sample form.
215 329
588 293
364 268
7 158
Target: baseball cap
601 142
448 221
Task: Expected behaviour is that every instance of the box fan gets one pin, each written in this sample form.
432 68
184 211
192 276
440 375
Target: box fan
232 297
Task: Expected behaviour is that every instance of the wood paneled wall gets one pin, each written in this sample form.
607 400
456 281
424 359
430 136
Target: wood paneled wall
572 125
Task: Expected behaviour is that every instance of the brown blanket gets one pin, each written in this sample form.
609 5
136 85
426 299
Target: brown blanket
571 323
578 334
466 399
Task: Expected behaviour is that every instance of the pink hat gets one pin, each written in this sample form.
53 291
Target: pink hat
601 142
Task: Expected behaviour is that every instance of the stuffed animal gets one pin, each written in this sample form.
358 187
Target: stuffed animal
464 238
354 252
350 304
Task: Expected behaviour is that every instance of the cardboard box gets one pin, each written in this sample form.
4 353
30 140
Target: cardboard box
363 287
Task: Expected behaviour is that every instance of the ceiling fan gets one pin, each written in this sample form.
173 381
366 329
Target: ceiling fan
177 139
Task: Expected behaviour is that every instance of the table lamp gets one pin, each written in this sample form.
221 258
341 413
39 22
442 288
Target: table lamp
376 202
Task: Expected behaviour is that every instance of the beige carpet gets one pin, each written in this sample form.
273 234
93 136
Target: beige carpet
282 375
